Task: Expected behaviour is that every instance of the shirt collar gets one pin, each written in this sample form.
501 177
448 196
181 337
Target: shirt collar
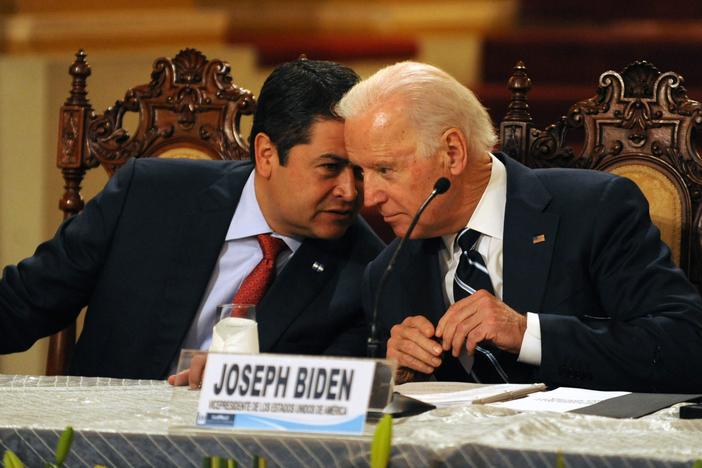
248 219
489 215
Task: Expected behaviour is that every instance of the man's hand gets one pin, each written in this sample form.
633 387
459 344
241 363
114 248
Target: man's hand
481 317
412 346
191 376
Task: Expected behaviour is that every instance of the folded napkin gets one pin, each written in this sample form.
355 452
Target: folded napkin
235 335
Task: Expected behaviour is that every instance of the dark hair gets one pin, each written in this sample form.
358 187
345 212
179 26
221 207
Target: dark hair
296 95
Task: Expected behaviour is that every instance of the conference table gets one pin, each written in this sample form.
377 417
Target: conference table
149 423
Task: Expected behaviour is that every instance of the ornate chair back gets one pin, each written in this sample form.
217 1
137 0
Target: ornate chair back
640 124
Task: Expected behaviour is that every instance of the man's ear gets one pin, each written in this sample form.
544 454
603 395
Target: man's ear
453 142
266 154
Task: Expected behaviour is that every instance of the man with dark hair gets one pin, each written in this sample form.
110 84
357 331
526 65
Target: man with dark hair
294 96
167 241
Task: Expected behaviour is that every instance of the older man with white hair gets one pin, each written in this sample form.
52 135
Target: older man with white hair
513 274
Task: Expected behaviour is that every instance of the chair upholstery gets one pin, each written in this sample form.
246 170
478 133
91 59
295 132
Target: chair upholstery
189 109
641 125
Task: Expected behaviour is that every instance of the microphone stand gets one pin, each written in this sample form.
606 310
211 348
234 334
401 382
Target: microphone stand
373 344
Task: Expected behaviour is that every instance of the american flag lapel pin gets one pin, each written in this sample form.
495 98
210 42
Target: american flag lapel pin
538 239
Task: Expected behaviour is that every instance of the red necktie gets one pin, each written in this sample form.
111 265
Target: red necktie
255 285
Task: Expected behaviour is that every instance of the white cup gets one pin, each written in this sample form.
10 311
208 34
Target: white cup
238 333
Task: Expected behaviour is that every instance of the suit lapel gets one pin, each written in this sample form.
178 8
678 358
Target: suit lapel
418 270
529 237
197 244
297 285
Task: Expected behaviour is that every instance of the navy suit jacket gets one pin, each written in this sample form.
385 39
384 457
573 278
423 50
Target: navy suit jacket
140 257
615 312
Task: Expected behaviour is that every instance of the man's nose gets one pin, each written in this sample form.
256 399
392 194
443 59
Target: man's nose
346 186
372 193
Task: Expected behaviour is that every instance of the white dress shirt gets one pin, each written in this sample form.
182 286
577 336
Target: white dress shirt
488 219
240 254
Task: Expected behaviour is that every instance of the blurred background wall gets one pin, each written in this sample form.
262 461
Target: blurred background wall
566 44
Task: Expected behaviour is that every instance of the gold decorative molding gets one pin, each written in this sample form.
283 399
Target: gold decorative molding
105 29
28 26
378 16
39 6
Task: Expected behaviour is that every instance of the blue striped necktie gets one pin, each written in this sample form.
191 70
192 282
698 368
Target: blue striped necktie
471 276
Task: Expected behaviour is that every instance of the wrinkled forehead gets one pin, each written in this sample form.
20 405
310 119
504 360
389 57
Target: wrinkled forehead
380 131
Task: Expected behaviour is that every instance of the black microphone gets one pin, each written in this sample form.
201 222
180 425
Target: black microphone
440 186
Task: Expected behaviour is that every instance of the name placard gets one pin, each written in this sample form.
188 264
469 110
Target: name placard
285 393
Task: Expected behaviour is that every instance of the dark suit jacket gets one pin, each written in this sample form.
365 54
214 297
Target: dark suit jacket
140 256
615 312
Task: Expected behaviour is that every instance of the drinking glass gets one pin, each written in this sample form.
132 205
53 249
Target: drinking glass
237 330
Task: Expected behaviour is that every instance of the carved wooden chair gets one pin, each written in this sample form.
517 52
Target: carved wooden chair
641 125
189 109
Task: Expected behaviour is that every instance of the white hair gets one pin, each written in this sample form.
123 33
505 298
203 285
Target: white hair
436 102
